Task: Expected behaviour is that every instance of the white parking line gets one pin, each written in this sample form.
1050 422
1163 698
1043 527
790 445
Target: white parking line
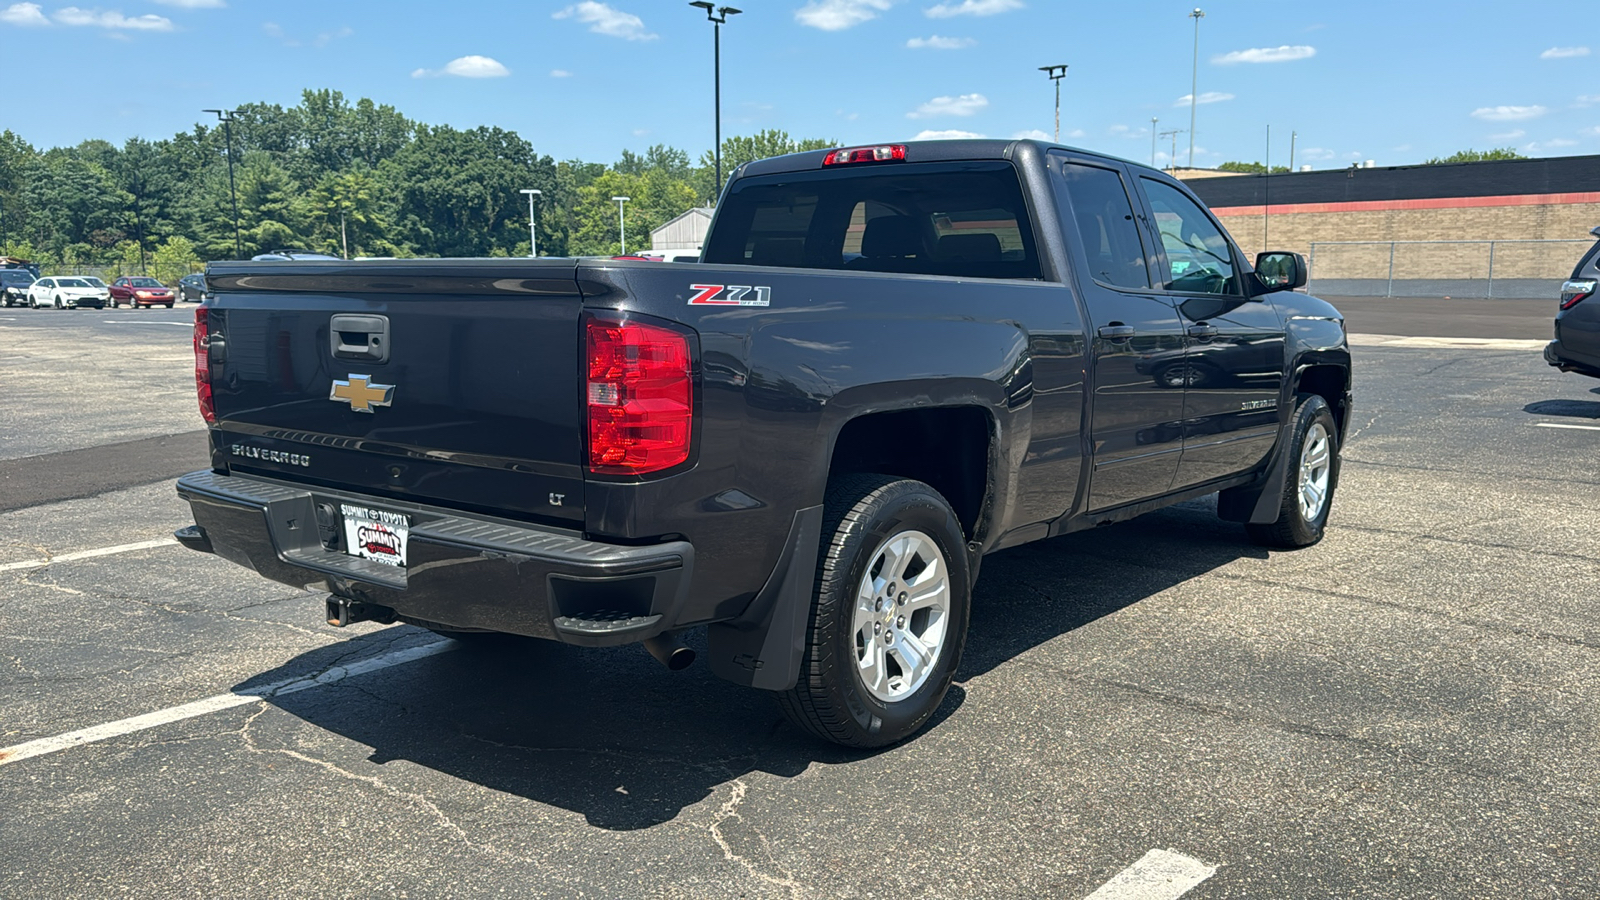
87 554
1158 875
126 322
1444 343
1564 425
218 703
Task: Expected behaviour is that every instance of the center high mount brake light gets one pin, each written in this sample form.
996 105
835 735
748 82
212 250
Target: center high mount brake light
883 153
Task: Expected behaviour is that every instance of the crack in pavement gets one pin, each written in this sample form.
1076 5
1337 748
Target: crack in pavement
730 810
409 798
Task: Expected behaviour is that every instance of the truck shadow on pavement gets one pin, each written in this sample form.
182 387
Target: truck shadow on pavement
614 737
1574 409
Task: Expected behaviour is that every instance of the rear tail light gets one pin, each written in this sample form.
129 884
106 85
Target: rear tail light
884 153
640 396
1574 292
202 366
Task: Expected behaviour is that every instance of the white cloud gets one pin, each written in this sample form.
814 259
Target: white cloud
1207 97
1546 146
971 8
1032 134
1587 100
1564 52
112 19
1316 154
1508 113
560 73
1126 132
194 4
602 19
939 43
952 134
1507 135
466 67
837 15
23 14
1285 53
964 105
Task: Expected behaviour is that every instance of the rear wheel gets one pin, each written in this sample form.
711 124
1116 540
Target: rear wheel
889 613
1312 478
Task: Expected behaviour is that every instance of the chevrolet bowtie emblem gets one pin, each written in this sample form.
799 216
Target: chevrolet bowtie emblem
361 394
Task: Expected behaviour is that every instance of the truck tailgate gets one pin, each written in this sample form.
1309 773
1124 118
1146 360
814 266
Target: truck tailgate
446 383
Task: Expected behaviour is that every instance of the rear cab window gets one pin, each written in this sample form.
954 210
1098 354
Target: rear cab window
962 219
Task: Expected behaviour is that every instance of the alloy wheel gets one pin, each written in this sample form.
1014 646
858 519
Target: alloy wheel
901 614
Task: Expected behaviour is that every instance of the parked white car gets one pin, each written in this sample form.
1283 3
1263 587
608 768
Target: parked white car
67 292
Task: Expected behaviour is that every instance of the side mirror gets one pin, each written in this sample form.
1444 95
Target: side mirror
1595 231
1279 270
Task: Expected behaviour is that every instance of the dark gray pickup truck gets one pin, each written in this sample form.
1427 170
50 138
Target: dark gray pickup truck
892 361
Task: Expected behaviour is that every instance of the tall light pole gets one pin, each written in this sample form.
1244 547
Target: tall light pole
1194 83
718 16
1056 73
1153 121
622 225
533 237
225 116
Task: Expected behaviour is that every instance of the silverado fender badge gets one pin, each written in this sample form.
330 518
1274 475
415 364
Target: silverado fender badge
729 295
361 393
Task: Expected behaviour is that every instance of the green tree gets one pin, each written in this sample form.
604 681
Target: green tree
348 211
458 191
656 198
175 258
1466 156
1249 168
736 151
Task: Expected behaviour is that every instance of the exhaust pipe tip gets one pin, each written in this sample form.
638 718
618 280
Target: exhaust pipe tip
670 652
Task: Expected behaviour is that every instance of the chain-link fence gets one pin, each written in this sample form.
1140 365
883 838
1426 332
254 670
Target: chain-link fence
166 273
1471 269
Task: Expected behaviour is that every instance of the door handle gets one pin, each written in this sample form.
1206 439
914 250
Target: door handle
1116 332
1202 331
359 337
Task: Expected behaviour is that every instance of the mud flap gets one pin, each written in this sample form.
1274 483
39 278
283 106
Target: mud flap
764 647
1261 503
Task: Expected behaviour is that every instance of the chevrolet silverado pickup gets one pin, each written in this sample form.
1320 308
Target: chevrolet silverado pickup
891 361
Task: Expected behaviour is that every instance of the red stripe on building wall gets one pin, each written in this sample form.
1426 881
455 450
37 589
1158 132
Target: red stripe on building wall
1429 203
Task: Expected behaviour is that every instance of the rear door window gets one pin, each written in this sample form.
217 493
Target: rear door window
1110 234
964 219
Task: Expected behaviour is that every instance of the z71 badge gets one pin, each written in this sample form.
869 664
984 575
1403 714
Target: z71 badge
729 295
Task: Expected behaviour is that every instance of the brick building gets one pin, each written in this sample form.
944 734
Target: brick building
1383 229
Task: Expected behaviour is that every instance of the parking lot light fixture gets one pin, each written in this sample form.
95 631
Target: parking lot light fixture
718 16
225 116
533 237
1056 73
1194 83
622 225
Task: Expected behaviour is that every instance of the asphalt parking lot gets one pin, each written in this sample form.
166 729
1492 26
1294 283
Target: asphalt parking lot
1409 709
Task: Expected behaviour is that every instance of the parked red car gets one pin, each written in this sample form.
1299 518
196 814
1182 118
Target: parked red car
137 291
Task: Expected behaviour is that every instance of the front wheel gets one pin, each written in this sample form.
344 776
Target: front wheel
889 613
58 304
1309 485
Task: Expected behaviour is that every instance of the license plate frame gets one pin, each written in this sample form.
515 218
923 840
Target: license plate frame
376 535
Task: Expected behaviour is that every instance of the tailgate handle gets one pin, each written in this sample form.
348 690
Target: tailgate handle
359 337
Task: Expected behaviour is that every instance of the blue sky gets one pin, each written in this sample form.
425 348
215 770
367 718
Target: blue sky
1391 81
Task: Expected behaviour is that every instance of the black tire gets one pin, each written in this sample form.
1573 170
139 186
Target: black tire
863 514
1293 528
